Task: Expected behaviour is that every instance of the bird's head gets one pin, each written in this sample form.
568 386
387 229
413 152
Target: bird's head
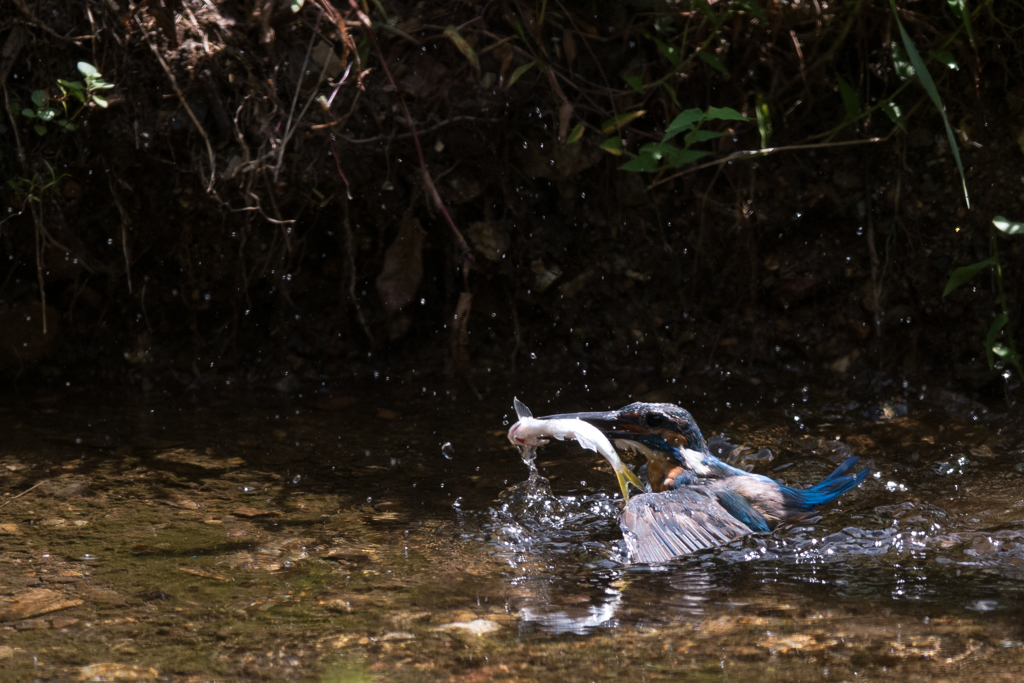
663 432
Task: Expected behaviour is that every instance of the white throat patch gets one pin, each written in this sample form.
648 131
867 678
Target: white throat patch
694 459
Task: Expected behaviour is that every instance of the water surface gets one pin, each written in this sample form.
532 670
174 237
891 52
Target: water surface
332 535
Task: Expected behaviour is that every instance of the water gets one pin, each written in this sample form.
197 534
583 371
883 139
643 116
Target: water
365 534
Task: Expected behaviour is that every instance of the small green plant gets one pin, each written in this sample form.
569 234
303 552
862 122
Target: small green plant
86 93
32 189
1005 349
654 156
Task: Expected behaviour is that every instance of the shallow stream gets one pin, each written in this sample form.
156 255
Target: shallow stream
375 532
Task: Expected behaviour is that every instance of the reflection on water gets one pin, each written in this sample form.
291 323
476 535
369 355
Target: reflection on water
279 537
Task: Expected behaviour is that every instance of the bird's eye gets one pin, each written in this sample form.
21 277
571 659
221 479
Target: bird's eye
655 420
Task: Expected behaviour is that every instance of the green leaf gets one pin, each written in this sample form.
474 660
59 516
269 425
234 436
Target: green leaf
79 95
713 62
39 129
575 135
685 156
900 62
47 114
764 121
295 5
462 46
71 126
945 57
990 340
40 98
100 101
1008 227
642 163
99 84
617 122
671 53
701 136
850 100
1005 352
754 8
685 121
960 11
658 150
933 93
635 82
73 85
962 275
895 114
28 113
724 114
88 70
518 73
613 146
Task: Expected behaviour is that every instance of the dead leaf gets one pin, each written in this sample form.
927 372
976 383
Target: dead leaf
115 671
403 267
254 512
460 331
33 602
569 45
488 239
564 119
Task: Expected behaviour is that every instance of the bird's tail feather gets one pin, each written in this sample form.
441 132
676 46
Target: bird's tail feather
829 488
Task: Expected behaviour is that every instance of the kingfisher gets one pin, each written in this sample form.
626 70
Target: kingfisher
696 500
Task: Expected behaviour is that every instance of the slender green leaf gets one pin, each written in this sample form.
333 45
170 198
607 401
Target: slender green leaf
100 101
764 120
575 134
933 93
99 84
850 100
1008 227
87 70
945 57
612 146
462 46
685 156
962 275
617 122
895 114
704 7
713 62
724 114
683 122
40 98
74 85
993 331
961 12
635 82
900 62
672 94
754 8
79 95
518 73
671 53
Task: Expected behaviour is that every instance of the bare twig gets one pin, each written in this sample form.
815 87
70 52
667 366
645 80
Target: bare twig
292 123
124 233
34 486
184 103
751 153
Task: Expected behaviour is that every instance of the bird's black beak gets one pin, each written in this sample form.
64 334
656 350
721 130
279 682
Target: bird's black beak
613 423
